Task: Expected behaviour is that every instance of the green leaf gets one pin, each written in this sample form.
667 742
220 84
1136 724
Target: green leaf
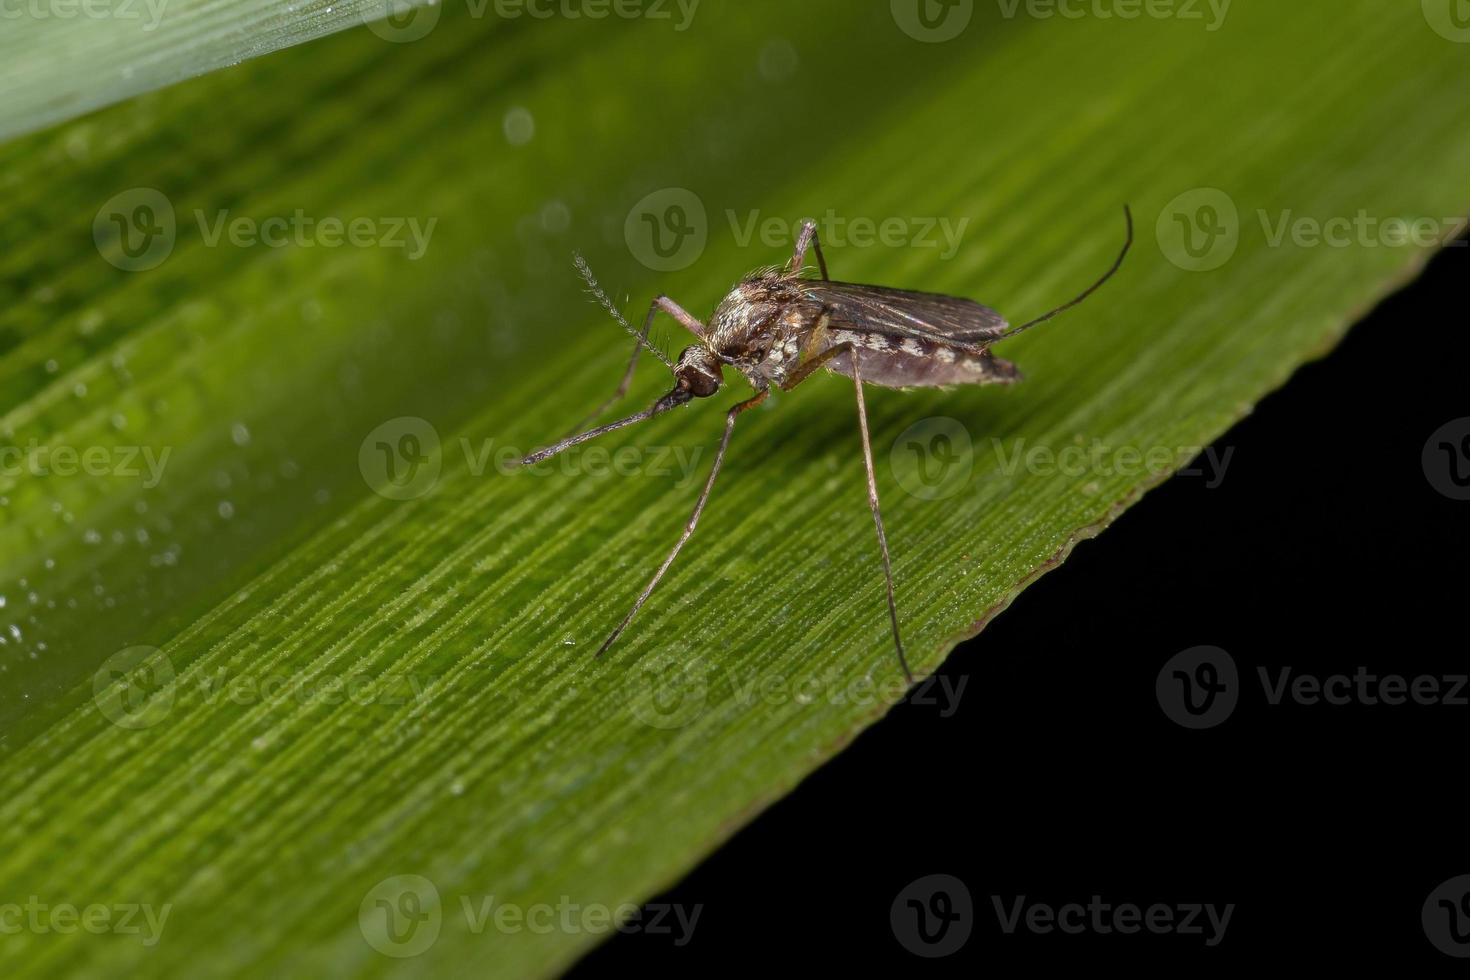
251 688
62 58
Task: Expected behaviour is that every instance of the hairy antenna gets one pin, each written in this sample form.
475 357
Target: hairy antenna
1118 262
607 304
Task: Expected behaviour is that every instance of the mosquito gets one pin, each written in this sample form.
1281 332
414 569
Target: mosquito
779 325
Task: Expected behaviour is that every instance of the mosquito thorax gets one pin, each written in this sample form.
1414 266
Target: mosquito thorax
698 371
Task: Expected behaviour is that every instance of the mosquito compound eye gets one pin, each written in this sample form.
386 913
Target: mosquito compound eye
700 385
698 372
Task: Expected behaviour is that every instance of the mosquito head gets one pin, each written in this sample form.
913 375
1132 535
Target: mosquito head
697 374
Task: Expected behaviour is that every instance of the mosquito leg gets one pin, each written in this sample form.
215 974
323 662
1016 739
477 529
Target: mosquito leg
693 521
805 370
796 378
660 303
807 237
857 382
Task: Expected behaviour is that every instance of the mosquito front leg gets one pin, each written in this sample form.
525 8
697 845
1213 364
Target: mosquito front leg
693 521
807 237
640 341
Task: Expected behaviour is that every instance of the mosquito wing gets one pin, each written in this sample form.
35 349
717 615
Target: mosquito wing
906 313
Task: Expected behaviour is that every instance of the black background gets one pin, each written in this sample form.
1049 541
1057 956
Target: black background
1060 777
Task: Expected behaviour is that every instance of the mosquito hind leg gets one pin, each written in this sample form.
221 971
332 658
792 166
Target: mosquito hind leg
796 378
807 237
693 521
862 408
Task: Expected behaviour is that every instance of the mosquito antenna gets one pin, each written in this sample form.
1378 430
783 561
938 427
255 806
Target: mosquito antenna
617 315
1118 262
